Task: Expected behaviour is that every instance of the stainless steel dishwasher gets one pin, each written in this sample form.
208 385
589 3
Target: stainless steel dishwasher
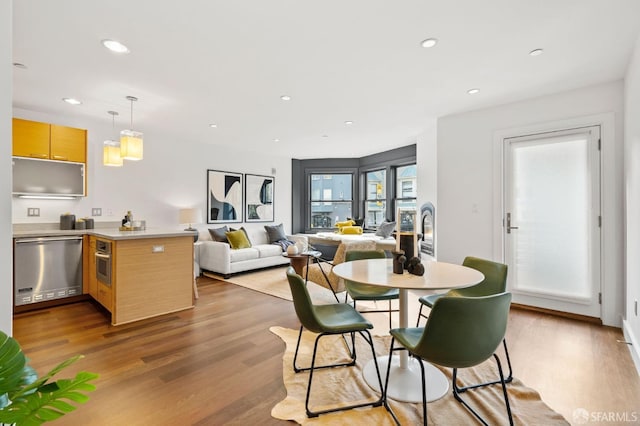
46 268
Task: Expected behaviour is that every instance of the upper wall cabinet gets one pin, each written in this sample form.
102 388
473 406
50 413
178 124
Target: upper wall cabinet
49 141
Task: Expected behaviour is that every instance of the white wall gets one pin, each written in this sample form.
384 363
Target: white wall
632 198
468 209
172 175
427 159
6 249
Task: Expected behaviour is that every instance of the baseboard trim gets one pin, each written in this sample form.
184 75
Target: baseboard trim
633 347
584 318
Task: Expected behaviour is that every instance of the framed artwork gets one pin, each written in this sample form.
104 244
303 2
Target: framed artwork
259 198
224 196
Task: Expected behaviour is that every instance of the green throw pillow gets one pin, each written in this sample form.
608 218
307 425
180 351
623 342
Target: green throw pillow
238 239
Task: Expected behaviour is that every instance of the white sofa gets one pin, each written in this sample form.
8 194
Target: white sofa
221 259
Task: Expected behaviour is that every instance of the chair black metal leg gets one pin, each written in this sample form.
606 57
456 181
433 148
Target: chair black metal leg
457 396
386 380
295 356
420 315
377 403
424 393
386 383
352 355
335 295
509 378
313 362
389 311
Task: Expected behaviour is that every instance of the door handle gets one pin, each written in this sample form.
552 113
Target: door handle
509 227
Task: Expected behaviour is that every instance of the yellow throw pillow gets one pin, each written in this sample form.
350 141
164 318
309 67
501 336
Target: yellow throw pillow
351 230
238 239
345 223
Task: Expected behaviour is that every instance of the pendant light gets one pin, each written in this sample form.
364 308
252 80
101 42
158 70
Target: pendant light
130 140
111 148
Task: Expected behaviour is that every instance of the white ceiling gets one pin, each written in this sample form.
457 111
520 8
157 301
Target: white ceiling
196 62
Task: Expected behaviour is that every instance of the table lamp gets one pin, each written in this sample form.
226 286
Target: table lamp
190 216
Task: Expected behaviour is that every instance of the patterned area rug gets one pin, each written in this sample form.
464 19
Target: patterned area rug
346 384
273 281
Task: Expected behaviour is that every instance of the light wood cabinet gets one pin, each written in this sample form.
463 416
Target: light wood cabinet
92 280
154 277
49 141
105 296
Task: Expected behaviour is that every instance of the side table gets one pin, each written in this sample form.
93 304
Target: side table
300 260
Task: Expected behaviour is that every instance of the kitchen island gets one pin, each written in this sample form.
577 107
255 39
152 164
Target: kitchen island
135 274
151 273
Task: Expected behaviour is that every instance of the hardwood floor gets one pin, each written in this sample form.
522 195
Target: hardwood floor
219 364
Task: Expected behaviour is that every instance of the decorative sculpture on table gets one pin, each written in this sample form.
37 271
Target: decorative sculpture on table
398 261
415 267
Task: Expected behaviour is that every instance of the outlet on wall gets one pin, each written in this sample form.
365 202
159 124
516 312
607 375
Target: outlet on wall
33 211
96 211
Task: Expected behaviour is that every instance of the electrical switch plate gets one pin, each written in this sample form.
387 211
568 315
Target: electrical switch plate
33 211
96 211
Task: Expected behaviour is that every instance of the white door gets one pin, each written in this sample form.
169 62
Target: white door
552 220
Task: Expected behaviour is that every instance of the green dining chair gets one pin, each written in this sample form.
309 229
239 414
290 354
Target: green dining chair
461 332
359 291
495 281
332 319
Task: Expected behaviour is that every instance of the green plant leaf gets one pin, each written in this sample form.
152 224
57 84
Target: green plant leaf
41 406
37 384
12 363
27 400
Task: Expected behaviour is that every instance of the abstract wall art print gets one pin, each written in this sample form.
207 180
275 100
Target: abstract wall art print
224 197
259 198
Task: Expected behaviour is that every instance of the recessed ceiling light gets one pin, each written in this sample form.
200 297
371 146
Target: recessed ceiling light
536 52
285 97
72 101
276 140
19 65
473 91
115 46
430 42
348 122
213 125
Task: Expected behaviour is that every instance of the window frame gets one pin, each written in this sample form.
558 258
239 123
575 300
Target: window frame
309 173
398 191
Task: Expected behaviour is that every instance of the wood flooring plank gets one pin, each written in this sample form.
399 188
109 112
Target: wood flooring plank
218 363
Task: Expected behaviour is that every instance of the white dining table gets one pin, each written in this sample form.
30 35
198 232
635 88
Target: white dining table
404 378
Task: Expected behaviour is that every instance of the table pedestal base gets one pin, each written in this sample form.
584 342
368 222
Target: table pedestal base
405 384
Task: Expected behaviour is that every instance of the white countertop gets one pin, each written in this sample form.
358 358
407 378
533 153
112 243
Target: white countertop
108 233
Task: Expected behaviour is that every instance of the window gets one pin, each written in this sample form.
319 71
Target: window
331 199
375 203
406 187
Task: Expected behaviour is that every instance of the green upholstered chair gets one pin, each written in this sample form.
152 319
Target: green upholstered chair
495 281
460 332
333 319
358 291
